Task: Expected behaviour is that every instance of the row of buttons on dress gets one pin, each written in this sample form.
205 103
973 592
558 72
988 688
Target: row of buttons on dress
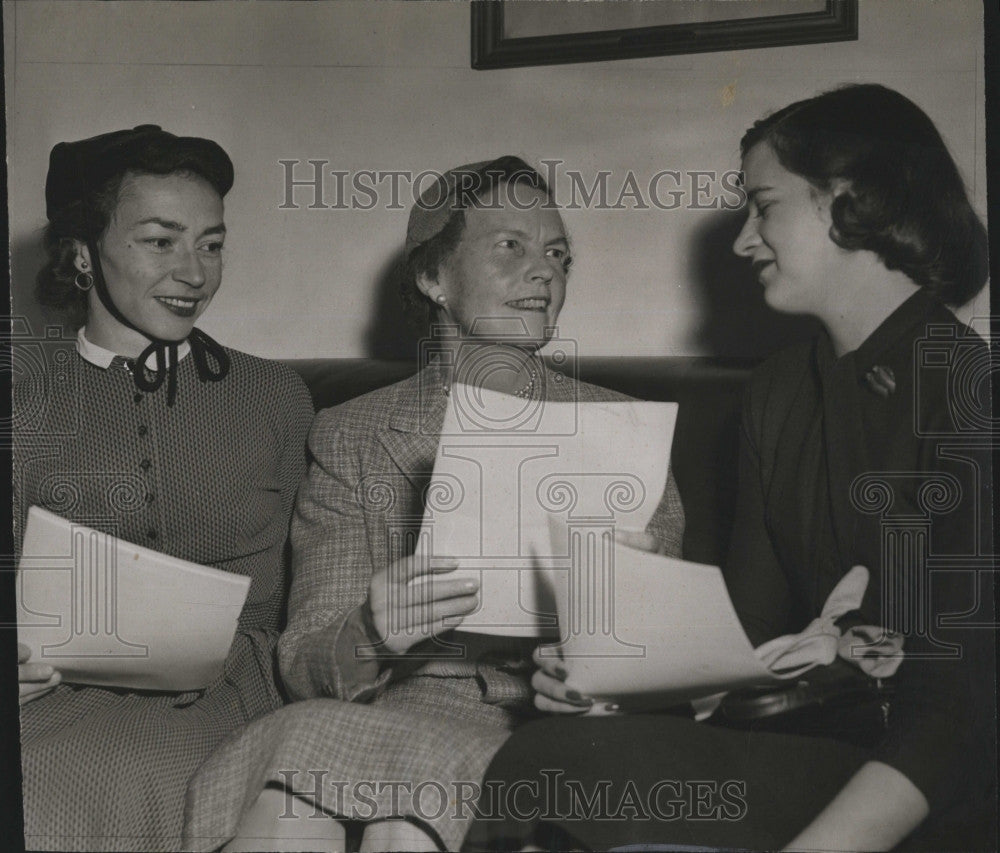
145 465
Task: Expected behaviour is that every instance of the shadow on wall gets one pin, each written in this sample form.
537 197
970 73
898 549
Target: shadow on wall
736 322
26 258
389 334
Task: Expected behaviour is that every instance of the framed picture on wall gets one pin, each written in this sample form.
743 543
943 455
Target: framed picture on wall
513 33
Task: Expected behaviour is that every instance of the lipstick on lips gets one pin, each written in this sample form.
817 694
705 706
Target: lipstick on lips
182 306
530 303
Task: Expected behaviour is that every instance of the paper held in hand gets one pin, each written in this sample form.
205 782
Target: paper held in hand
648 630
504 464
104 611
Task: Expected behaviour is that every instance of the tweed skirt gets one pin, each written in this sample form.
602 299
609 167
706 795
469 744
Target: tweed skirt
419 750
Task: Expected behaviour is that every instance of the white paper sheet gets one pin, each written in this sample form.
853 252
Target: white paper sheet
648 630
505 464
105 611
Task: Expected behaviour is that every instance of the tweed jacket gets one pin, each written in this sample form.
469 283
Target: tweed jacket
372 458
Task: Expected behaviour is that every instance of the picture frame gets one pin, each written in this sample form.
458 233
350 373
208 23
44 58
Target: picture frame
518 33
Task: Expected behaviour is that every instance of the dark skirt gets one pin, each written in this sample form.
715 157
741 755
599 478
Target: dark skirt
606 782
603 783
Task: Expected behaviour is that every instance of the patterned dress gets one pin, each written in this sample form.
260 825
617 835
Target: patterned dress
212 480
374 740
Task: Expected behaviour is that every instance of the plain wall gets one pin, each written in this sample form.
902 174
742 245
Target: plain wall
388 86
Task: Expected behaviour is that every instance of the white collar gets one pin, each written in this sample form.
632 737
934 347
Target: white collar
89 351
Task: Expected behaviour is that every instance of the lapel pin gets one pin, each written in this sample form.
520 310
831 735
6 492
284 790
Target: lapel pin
881 380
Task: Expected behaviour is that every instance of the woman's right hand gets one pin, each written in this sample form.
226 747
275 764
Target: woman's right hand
34 679
549 683
410 602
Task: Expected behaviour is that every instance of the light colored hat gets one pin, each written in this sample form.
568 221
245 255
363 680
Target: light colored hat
455 189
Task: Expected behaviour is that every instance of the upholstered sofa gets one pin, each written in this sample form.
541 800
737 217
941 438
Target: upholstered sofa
703 457
705 441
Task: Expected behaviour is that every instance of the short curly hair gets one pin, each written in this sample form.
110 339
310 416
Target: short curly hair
426 259
904 197
87 218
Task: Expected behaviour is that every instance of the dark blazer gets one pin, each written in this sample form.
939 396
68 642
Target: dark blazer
881 458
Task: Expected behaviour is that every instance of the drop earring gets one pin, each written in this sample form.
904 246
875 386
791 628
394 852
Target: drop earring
83 280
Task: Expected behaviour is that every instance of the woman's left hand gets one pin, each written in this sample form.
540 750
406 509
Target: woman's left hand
640 540
34 679
551 692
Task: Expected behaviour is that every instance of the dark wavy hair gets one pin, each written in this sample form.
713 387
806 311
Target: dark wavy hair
87 218
427 258
903 199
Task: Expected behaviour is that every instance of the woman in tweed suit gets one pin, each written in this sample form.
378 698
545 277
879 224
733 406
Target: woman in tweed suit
153 432
496 272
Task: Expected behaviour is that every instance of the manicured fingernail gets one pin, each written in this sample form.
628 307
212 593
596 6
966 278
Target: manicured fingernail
559 673
574 697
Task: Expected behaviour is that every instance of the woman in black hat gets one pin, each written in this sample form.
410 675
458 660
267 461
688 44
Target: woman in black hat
157 434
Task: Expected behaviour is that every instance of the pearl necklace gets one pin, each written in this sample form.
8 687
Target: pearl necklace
525 393
529 389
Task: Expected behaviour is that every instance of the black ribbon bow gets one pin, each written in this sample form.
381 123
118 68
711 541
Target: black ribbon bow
204 350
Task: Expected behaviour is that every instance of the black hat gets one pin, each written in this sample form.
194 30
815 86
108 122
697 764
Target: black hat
78 168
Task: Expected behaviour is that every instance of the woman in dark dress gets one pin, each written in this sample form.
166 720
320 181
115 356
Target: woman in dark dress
153 432
868 446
